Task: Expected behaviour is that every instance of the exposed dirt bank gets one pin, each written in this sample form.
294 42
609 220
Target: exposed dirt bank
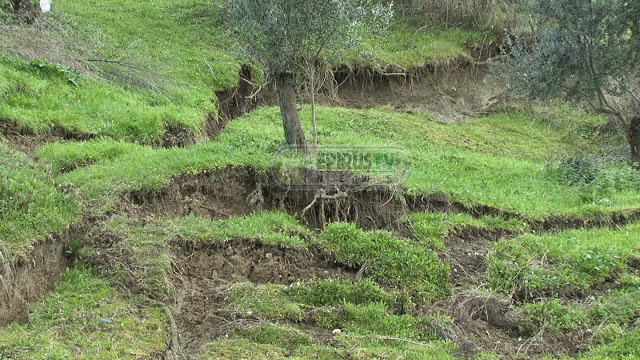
24 280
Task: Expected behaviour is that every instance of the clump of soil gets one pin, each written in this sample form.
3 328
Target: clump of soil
203 272
216 194
466 252
177 136
260 263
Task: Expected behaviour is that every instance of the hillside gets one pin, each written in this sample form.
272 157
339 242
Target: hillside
148 210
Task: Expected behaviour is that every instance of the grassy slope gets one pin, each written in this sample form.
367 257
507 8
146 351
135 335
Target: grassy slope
181 48
465 161
363 309
185 53
500 160
84 318
31 205
577 284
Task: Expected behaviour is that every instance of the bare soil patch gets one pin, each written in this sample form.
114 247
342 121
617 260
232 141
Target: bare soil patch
448 91
466 252
28 142
204 272
24 280
217 194
237 101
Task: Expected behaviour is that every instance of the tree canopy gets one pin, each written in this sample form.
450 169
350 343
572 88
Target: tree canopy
286 36
580 50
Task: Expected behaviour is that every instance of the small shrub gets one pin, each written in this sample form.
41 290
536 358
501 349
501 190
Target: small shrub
66 72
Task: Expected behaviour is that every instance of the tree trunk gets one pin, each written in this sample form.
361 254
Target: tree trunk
293 131
313 108
634 141
25 9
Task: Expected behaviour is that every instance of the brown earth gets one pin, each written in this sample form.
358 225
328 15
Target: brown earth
205 272
448 91
26 279
29 142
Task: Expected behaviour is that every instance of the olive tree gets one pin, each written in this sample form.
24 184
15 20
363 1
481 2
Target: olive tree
287 37
586 51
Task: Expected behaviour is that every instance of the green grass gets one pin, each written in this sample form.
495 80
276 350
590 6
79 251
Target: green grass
409 48
38 101
370 326
388 259
31 204
180 50
471 170
63 156
335 292
569 263
184 52
271 227
268 300
84 318
432 228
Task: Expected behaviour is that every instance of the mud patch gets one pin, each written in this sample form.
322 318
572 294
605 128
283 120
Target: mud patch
466 252
177 136
203 273
24 280
28 142
217 194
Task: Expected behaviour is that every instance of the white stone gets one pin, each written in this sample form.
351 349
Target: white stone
45 6
336 332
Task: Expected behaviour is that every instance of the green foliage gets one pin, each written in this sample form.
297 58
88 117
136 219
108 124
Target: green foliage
38 102
334 292
404 46
596 180
388 259
66 72
432 228
241 349
283 34
583 50
281 336
267 300
32 206
577 170
555 315
377 318
465 161
483 14
67 156
623 346
271 227
84 318
570 262
363 347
